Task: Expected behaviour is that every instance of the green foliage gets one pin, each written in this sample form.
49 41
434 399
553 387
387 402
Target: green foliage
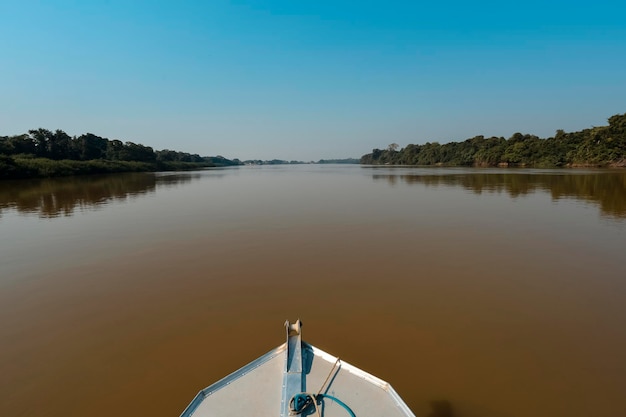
220 161
43 153
599 146
8 168
44 167
172 156
338 161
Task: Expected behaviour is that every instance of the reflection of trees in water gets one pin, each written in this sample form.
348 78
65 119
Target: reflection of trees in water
172 180
56 197
608 189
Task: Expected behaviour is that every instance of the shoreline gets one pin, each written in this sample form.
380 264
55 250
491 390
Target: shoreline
33 168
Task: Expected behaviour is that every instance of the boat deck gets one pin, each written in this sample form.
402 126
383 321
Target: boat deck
256 389
296 378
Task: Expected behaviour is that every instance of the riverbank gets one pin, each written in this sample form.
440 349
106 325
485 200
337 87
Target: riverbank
28 167
600 146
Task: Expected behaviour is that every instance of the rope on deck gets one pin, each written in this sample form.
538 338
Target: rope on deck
300 402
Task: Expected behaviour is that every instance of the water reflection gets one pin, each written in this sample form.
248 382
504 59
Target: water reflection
55 197
50 198
606 189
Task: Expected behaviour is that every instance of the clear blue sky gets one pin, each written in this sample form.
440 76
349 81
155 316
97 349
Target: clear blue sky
307 80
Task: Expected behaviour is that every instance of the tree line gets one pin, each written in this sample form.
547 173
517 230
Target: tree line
42 152
597 146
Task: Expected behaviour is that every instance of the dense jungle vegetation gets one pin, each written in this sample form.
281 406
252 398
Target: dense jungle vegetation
43 153
603 146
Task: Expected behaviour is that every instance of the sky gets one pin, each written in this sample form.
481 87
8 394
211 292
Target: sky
309 80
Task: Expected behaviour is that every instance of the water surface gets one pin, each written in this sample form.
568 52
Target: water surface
500 291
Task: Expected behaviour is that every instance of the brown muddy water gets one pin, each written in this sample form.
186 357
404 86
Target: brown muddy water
502 292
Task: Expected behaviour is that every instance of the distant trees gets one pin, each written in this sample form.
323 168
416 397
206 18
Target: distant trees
599 146
339 161
58 145
167 155
90 146
42 152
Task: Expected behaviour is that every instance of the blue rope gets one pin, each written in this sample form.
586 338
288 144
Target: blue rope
341 403
302 401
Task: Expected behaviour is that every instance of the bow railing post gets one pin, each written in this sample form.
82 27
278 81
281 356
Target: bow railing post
292 374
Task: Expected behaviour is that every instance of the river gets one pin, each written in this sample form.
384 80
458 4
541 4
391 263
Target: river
499 291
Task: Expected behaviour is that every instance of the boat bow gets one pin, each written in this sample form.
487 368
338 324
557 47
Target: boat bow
298 378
